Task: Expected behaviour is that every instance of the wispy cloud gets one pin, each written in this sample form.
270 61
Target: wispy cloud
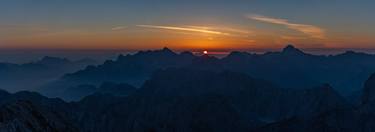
311 30
118 28
226 29
292 37
189 29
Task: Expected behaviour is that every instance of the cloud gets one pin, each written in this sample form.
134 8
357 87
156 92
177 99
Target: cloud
189 29
292 38
311 30
118 28
221 28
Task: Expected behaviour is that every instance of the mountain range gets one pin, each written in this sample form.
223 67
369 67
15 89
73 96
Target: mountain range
13 77
290 68
162 90
356 118
173 99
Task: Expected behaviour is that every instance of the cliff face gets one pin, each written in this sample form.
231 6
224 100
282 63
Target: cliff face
369 90
31 112
23 116
359 118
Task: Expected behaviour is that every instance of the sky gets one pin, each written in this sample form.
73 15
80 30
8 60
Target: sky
186 24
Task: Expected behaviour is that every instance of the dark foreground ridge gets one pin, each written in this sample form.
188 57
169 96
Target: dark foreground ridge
178 99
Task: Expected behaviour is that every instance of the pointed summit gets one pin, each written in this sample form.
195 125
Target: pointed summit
168 51
165 52
290 49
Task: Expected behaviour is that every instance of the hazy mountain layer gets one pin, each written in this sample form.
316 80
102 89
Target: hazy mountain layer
290 68
16 77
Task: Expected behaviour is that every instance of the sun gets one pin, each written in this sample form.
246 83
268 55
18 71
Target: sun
205 52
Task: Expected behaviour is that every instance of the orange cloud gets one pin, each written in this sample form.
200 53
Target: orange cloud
311 30
118 28
190 29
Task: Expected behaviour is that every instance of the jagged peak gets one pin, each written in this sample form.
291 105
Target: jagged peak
186 53
49 58
166 49
238 54
290 49
52 60
351 52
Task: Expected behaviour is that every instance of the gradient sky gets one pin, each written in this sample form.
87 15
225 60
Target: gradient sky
186 24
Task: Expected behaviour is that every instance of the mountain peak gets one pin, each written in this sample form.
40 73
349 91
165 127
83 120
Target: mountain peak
50 58
290 49
166 49
53 60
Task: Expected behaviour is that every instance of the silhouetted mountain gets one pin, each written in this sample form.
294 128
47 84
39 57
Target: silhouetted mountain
15 77
78 92
359 119
182 99
114 89
133 69
53 61
197 100
369 90
29 112
291 50
250 95
290 68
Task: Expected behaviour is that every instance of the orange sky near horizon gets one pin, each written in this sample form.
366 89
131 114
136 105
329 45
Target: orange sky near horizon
180 24
180 37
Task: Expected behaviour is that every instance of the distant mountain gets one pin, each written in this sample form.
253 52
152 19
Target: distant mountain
78 92
292 68
16 77
131 69
289 68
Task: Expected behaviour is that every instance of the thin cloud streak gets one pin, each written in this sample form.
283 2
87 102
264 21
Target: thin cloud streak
227 29
190 29
118 28
311 30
